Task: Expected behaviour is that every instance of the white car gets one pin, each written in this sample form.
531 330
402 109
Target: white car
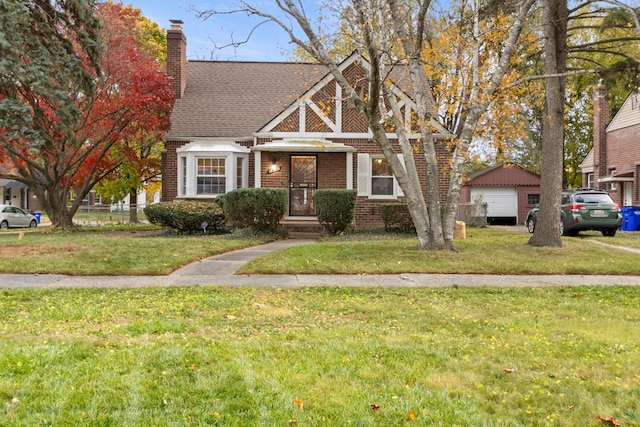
13 216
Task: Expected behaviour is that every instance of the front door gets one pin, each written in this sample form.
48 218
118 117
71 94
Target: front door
627 194
302 183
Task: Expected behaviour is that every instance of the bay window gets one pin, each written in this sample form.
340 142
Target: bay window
210 169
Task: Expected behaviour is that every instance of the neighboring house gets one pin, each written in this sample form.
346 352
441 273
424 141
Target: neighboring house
16 193
613 164
277 125
509 191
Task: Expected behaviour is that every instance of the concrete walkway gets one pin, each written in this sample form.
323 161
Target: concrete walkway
220 269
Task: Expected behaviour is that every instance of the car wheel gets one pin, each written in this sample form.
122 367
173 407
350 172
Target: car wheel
563 232
33 223
4 225
531 225
609 232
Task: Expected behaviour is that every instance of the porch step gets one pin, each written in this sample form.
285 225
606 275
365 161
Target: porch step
303 227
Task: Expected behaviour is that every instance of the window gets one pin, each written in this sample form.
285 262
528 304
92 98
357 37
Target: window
381 177
375 179
590 180
612 185
209 169
533 199
211 176
183 177
239 172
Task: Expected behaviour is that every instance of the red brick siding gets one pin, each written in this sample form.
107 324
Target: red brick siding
325 99
600 122
177 61
333 170
170 170
290 123
313 123
623 155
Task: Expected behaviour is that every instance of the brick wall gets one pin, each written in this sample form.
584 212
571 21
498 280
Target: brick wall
177 59
600 121
170 170
623 155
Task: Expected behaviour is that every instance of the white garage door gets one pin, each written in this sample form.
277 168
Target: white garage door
501 201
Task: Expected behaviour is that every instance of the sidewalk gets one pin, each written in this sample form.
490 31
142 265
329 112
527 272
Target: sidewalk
220 269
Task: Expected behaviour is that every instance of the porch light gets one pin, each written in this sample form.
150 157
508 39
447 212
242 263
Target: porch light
274 166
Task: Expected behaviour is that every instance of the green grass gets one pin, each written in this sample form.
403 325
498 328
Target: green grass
110 250
320 356
484 251
144 250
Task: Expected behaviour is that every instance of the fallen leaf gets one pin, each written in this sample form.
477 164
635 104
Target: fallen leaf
300 404
259 305
292 422
375 407
230 316
412 416
510 370
610 421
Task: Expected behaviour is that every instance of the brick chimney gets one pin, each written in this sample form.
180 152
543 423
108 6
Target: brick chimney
600 121
177 57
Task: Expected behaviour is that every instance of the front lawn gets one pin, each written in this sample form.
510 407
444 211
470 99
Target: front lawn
105 250
484 251
320 357
145 250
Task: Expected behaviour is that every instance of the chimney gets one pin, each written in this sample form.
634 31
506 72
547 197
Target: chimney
177 57
600 122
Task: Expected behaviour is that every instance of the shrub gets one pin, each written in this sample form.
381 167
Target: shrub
257 208
335 209
396 217
187 216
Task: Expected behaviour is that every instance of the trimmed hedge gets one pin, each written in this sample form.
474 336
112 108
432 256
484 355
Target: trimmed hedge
258 208
187 216
335 208
396 217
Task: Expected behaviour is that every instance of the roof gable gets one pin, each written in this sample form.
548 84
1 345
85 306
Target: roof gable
320 109
234 99
628 114
508 174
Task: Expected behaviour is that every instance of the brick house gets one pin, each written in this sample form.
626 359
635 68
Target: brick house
277 125
613 163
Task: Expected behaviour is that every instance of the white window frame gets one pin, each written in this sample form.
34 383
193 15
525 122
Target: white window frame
217 164
612 185
187 164
365 178
590 180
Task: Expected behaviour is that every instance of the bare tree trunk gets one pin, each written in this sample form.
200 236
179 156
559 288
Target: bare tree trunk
547 231
133 206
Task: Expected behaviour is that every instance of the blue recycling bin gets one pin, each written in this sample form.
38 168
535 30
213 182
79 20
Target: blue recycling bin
632 220
624 210
38 215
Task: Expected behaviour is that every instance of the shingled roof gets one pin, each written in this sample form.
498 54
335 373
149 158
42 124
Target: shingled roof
235 99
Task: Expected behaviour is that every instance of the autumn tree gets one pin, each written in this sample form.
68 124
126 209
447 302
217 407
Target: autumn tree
66 109
393 35
141 152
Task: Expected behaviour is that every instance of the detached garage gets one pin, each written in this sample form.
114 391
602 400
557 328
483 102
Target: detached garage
508 190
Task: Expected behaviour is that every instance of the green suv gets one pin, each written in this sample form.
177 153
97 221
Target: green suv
584 209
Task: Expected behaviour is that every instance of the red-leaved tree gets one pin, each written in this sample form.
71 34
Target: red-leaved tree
73 145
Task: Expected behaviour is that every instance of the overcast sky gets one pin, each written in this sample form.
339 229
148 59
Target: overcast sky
268 42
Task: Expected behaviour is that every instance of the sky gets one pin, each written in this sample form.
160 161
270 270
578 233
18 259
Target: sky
268 42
